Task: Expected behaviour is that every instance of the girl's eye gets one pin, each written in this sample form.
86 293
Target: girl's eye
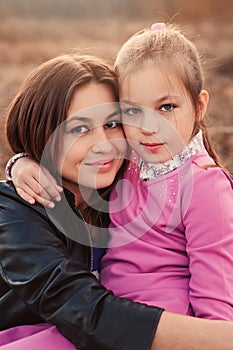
81 129
132 111
168 107
113 124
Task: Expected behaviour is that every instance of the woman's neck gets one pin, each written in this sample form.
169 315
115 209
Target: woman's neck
82 194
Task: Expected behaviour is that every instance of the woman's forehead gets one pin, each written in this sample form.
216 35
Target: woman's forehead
91 97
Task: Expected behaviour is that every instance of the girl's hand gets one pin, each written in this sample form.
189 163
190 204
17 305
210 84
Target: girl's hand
34 183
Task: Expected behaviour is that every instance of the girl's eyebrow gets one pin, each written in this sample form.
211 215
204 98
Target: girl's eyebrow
159 100
167 97
129 102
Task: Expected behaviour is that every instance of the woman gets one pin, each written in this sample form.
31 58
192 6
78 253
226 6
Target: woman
47 256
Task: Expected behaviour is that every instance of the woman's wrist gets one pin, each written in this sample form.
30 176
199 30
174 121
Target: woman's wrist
11 162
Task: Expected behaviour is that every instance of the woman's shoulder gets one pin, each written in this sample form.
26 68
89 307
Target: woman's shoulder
8 193
10 201
6 187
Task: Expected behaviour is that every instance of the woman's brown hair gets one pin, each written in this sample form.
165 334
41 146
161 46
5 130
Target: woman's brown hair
43 100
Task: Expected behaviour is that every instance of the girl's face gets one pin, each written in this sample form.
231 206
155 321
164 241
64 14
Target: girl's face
157 112
93 145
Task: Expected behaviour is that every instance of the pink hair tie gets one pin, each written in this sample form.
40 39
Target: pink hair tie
158 26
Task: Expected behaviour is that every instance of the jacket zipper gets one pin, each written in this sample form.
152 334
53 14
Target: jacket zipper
89 239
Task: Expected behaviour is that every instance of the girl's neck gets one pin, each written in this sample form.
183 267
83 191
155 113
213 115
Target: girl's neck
151 171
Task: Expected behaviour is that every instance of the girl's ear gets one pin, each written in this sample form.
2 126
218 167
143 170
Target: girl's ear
203 104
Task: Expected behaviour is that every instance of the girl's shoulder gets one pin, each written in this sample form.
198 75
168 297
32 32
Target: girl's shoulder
205 169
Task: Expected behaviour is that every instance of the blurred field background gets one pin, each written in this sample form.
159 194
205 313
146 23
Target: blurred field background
32 31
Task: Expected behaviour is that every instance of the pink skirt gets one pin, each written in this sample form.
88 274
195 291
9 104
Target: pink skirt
34 337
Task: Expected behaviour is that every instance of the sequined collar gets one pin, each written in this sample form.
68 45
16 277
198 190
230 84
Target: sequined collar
149 171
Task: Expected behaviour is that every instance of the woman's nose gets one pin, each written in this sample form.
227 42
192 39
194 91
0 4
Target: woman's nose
102 144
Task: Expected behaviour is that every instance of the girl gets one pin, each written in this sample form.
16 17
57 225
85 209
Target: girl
172 220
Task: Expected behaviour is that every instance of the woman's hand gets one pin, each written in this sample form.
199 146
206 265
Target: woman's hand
34 183
180 332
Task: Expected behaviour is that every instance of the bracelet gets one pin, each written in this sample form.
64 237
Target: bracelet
11 162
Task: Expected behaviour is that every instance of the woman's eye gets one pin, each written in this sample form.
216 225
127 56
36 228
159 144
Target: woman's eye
168 107
113 124
81 129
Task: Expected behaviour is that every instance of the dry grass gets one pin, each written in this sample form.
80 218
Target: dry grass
25 42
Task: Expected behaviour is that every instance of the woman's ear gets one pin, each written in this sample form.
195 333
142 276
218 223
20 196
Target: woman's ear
203 104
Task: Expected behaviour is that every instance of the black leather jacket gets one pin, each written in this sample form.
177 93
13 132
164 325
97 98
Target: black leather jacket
45 278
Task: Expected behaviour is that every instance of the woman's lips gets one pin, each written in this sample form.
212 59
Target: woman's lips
103 165
152 147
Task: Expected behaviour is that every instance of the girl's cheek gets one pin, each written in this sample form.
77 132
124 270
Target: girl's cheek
130 132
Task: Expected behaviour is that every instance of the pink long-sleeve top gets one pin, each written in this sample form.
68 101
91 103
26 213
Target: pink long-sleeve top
171 240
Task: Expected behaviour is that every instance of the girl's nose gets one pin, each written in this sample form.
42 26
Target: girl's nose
149 126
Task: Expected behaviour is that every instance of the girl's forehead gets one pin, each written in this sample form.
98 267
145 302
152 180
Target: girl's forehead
152 76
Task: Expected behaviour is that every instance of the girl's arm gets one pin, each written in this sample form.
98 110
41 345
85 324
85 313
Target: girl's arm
209 233
32 182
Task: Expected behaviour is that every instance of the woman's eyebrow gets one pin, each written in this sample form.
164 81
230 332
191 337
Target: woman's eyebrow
116 112
77 118
83 119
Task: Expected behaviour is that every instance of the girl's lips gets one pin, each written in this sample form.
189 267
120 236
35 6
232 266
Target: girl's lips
152 147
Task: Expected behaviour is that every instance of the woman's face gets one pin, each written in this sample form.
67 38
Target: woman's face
93 145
